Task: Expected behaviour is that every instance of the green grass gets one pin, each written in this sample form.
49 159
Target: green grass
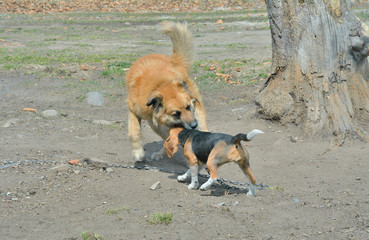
117 210
217 74
91 236
364 16
161 218
116 69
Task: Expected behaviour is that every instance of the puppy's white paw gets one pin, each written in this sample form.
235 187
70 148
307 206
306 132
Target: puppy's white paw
251 192
138 154
204 188
193 185
207 185
183 178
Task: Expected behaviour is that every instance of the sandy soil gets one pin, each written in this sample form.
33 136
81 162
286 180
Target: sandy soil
316 190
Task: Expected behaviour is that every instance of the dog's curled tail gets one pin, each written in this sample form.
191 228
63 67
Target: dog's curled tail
181 38
245 137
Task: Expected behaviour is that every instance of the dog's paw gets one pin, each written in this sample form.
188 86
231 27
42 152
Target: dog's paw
204 188
138 154
183 178
251 192
193 185
207 185
156 156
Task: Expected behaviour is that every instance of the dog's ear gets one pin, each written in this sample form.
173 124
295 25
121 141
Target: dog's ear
171 144
155 100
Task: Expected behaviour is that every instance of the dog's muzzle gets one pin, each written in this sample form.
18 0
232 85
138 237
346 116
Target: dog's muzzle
191 125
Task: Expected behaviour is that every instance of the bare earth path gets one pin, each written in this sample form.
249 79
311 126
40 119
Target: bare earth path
317 190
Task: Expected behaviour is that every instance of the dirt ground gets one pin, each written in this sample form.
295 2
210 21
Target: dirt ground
316 190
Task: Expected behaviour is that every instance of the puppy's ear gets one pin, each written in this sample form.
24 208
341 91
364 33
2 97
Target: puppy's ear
171 145
155 100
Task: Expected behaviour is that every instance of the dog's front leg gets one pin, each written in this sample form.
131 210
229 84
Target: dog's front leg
194 177
135 136
184 177
163 132
159 155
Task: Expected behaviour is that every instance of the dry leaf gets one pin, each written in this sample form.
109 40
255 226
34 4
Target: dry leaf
73 162
29 109
220 21
84 67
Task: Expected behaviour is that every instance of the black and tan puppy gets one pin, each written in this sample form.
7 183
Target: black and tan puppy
212 149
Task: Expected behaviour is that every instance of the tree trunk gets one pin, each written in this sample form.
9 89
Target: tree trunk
321 75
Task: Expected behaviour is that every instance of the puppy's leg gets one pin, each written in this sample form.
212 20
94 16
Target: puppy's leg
194 177
247 171
135 136
184 177
212 167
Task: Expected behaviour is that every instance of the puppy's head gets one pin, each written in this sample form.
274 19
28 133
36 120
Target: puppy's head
173 105
171 144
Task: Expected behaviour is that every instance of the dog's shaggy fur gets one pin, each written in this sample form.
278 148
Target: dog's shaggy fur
160 91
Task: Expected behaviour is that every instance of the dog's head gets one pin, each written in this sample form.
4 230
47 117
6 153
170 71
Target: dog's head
174 105
171 143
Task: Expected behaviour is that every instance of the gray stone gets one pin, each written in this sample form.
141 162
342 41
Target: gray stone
95 162
155 185
51 113
102 122
95 98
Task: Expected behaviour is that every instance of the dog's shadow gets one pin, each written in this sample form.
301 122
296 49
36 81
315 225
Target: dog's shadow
177 166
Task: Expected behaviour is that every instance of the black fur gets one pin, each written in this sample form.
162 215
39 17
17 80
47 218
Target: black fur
203 142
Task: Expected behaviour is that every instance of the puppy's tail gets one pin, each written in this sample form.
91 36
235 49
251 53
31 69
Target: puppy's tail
245 137
181 38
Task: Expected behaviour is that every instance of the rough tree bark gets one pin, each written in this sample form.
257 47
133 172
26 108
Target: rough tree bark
321 75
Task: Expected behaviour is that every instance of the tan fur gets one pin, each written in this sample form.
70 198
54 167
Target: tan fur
163 81
222 153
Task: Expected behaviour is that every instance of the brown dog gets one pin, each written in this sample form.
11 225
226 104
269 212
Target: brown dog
160 91
212 149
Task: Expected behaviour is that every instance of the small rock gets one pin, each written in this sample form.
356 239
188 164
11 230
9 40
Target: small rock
109 170
51 113
221 204
60 168
235 203
102 122
77 171
95 162
293 139
95 98
155 185
11 122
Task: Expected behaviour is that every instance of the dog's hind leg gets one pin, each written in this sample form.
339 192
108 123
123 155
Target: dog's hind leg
135 136
247 171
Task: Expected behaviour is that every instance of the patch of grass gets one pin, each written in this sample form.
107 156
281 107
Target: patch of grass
279 188
236 45
117 210
91 236
161 218
217 74
364 16
116 69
